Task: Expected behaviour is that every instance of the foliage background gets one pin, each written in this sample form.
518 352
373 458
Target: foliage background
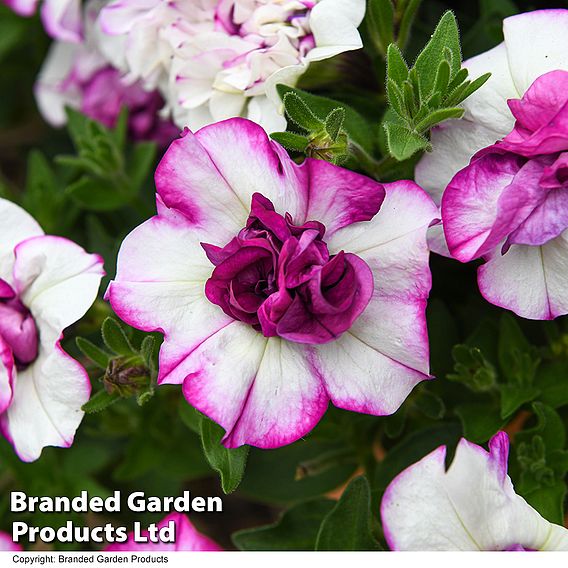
495 371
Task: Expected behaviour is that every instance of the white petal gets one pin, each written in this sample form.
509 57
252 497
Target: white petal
529 280
472 506
7 370
537 42
263 111
334 25
57 281
261 390
454 143
46 408
488 105
16 225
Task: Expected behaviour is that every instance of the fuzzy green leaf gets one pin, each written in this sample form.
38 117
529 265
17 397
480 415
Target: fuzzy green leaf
99 402
93 353
115 338
402 142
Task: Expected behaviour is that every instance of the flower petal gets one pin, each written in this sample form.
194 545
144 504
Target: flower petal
160 286
7 370
334 24
454 142
62 19
57 281
536 43
261 390
188 539
472 506
22 7
339 197
255 164
530 281
488 105
478 208
16 225
46 407
7 544
388 344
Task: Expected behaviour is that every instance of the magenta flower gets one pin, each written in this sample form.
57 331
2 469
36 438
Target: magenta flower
188 539
7 544
534 44
278 287
61 18
471 506
46 284
510 206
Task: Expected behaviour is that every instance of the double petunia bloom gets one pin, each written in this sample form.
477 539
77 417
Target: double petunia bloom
471 506
46 284
278 287
501 173
216 59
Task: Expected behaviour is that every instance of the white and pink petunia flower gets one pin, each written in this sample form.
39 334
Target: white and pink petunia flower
79 76
471 506
216 59
7 544
188 539
502 170
278 287
61 18
46 284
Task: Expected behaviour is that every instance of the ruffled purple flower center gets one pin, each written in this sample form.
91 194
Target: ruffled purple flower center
281 279
17 327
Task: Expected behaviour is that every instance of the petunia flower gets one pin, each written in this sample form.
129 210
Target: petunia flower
471 506
507 205
216 59
278 287
188 539
46 284
7 544
79 76
61 18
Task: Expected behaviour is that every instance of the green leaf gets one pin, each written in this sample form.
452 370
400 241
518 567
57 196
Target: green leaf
96 195
115 338
429 404
99 402
334 123
272 475
349 525
446 35
297 529
438 116
473 86
552 380
402 142
479 421
291 141
511 339
380 17
147 350
396 98
300 114
99 357
397 70
359 129
514 396
190 417
229 463
442 77
141 164
549 501
406 22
